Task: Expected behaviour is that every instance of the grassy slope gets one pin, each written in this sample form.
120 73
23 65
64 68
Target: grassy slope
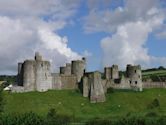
155 72
73 103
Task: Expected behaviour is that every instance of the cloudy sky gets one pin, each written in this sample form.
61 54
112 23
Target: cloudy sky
106 32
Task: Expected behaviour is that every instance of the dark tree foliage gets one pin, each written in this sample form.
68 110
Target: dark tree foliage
154 104
55 119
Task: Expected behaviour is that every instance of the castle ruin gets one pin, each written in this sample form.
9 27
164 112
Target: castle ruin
35 75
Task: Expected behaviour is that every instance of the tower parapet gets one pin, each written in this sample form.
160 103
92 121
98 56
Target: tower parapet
38 57
114 72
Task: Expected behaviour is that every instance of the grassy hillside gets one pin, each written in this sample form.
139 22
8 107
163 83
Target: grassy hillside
154 75
72 103
163 72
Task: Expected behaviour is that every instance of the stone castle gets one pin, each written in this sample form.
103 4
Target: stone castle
35 75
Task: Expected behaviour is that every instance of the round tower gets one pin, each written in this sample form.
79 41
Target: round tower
78 68
107 72
29 75
114 72
20 75
134 74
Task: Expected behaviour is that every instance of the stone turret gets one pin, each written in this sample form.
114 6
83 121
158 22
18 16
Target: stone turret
29 75
114 72
78 68
66 70
38 57
135 77
107 73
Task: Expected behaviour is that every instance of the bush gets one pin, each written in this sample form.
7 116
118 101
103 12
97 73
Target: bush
110 90
99 122
31 118
55 119
151 114
21 119
154 104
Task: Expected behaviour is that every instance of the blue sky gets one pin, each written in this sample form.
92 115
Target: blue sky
106 32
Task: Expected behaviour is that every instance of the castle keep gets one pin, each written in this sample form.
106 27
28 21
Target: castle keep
35 75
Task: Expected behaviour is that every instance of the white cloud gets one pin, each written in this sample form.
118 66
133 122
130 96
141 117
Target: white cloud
107 20
161 35
126 46
87 54
129 27
29 26
54 9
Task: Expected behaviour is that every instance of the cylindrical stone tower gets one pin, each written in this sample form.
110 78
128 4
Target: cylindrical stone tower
78 68
107 72
114 72
20 75
29 75
134 74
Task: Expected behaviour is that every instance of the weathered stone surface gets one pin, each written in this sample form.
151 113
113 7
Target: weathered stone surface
29 75
69 82
135 77
78 68
96 89
43 76
56 81
114 72
107 73
86 87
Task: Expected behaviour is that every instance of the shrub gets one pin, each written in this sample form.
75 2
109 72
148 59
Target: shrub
110 90
55 119
151 114
154 104
21 119
99 122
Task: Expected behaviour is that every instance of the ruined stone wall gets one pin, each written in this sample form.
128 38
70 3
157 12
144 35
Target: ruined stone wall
96 89
61 81
62 70
154 84
93 87
86 87
56 81
69 82
66 70
123 84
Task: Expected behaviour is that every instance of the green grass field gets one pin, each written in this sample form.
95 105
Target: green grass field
72 103
157 72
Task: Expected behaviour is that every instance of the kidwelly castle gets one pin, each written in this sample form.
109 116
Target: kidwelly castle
35 75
